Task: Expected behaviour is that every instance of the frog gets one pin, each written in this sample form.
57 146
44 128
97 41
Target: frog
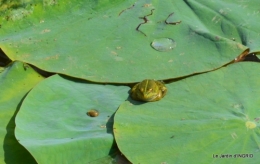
148 90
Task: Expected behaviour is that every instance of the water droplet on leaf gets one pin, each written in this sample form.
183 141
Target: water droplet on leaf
163 44
93 113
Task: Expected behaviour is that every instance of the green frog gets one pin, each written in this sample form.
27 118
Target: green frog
148 90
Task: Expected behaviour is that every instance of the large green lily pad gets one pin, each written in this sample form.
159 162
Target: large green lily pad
54 126
209 118
15 81
110 41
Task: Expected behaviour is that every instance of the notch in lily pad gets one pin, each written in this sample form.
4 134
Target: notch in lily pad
163 44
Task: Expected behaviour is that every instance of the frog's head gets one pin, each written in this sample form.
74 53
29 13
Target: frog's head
148 90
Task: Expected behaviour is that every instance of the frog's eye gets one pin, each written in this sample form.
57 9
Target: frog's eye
141 89
150 89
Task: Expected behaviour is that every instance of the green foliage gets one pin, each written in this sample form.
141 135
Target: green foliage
15 82
201 116
98 40
91 45
53 120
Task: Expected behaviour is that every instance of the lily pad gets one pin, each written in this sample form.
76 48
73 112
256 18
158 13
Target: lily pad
15 82
54 126
110 41
209 118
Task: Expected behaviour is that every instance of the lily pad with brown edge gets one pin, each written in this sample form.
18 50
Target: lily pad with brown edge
209 118
112 41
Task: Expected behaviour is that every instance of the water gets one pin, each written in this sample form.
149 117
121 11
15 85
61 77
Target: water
163 44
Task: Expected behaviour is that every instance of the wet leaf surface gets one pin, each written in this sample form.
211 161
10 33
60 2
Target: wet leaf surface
111 41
